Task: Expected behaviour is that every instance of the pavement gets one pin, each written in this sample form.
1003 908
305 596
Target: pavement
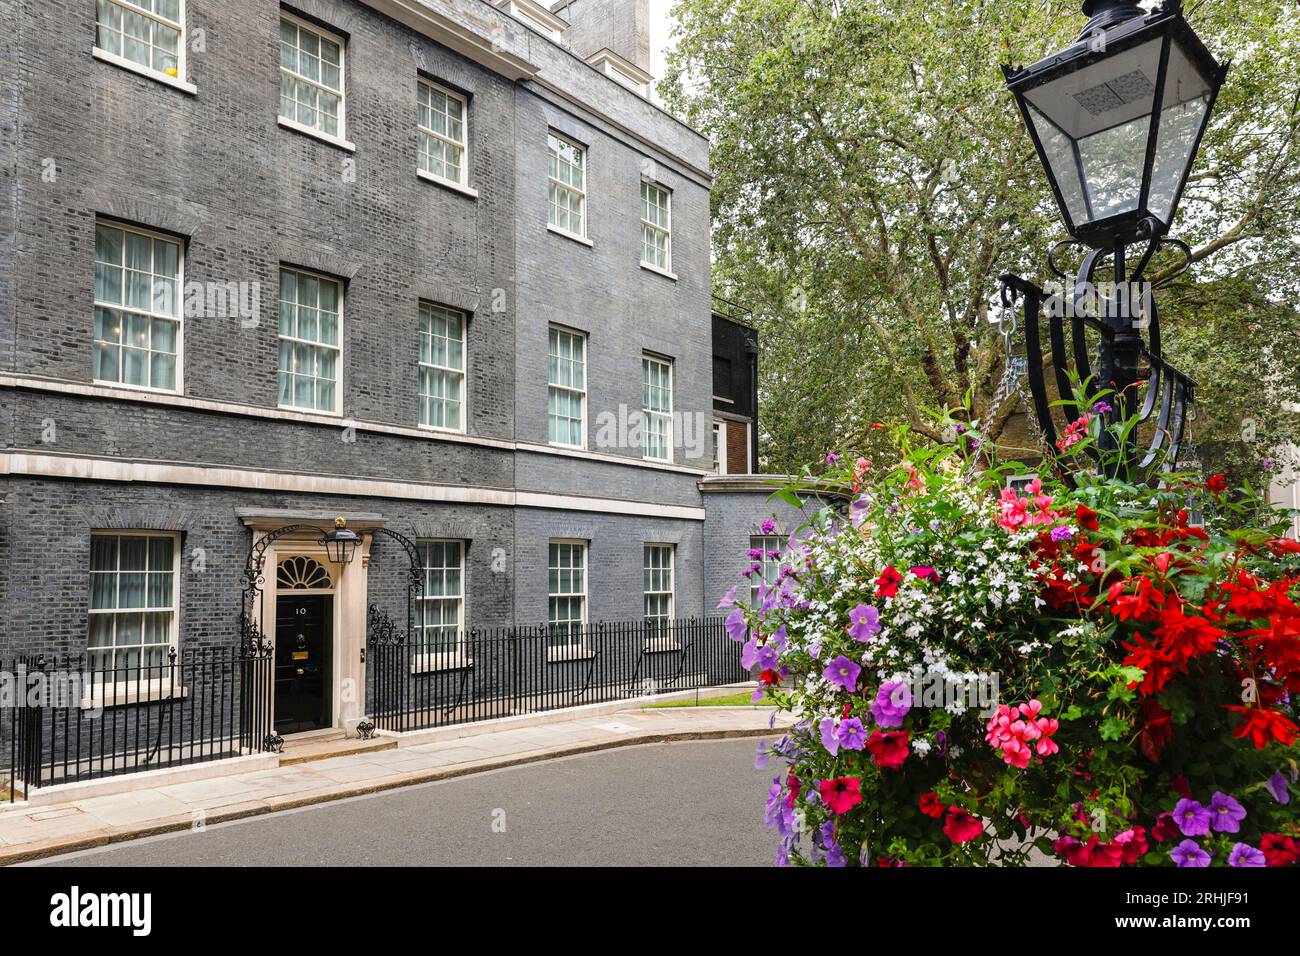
686 803
32 832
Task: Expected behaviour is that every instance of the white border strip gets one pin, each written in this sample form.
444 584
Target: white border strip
104 469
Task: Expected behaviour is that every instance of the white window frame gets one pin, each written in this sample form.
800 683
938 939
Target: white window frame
568 650
463 182
772 566
463 371
662 641
720 446
582 392
648 415
337 411
341 137
178 318
180 80
427 660
647 226
97 694
581 234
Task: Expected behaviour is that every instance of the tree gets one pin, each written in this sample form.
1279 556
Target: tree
873 179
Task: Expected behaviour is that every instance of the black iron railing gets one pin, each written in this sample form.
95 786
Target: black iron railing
70 718
441 678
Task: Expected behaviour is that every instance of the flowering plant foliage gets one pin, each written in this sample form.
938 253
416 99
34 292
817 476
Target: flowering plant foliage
985 672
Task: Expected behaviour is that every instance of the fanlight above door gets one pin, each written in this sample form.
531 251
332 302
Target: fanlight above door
301 573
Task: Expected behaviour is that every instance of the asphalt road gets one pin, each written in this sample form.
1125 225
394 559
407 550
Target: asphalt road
696 803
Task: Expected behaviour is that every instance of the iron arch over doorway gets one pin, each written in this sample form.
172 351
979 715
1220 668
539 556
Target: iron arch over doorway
253 638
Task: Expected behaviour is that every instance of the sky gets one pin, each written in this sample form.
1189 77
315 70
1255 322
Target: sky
661 26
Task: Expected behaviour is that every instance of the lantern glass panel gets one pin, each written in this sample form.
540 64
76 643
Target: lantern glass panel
1184 111
1099 118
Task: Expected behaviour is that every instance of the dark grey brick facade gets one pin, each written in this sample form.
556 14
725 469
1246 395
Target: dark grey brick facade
82 139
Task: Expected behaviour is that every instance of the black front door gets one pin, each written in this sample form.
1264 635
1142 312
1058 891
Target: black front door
302 661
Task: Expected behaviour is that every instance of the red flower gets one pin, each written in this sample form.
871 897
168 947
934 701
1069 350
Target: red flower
890 749
1217 483
1281 546
1260 724
1086 517
961 827
1144 605
887 583
931 805
1155 663
1157 730
925 572
1179 786
1183 637
1165 828
1094 853
1132 843
841 794
1280 850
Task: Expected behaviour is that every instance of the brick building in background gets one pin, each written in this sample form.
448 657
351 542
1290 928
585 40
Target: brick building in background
415 263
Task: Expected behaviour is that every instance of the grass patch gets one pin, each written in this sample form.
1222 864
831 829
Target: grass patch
731 700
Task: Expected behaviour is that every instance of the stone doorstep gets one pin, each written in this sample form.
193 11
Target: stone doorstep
308 751
21 853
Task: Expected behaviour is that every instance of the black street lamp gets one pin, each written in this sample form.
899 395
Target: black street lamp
1116 118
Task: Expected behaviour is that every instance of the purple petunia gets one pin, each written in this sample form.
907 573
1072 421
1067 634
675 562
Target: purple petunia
736 627
1243 854
892 703
1102 407
1062 533
1188 854
858 511
749 654
1226 813
864 623
843 672
852 735
728 599
826 729
768 526
1192 818
1277 786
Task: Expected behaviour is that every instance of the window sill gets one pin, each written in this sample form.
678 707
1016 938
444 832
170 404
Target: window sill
137 388
123 695
447 184
556 444
431 663
441 431
657 461
559 654
583 240
132 66
659 272
310 411
316 134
